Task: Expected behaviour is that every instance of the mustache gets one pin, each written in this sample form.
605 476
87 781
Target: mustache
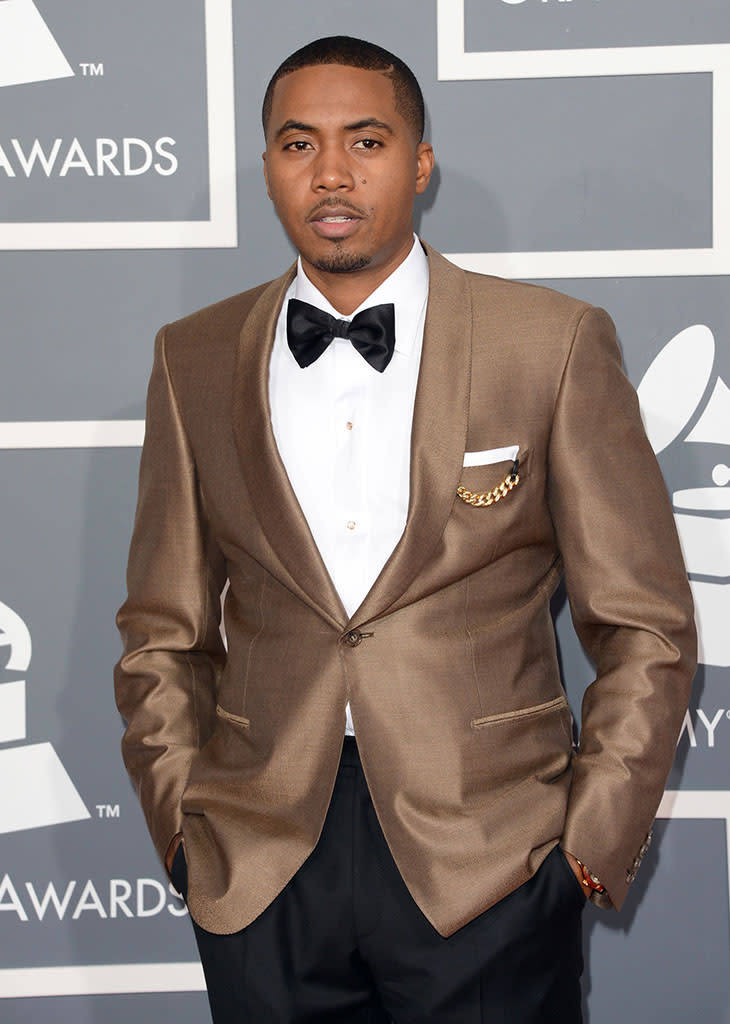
335 204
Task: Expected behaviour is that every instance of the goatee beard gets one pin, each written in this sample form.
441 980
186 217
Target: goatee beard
342 262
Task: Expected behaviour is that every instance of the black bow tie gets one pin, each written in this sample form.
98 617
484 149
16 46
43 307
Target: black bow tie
310 330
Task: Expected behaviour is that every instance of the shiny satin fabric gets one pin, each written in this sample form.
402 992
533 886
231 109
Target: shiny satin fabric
358 949
311 330
449 664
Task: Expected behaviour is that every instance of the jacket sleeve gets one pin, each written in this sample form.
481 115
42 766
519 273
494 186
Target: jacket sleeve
166 680
630 602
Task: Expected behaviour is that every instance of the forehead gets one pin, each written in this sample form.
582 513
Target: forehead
331 94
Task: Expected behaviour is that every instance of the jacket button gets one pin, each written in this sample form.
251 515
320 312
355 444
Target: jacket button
353 637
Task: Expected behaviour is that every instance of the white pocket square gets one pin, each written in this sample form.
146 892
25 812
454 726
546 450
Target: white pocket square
491 455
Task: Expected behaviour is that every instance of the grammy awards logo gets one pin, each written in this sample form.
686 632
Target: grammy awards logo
36 788
683 400
28 51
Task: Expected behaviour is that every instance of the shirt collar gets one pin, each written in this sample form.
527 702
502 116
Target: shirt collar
406 288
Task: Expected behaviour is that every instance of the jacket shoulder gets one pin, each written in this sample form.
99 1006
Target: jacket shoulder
516 302
204 344
220 318
529 299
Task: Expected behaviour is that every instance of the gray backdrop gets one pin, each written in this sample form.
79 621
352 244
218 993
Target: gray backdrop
608 186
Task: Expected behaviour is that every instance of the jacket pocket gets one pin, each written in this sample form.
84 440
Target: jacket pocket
510 716
528 743
489 456
483 485
230 717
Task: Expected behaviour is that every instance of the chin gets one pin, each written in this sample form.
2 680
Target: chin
342 262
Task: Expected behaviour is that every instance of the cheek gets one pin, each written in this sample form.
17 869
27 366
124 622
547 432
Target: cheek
399 190
285 202
398 207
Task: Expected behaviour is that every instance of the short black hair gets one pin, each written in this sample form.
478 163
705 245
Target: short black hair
355 53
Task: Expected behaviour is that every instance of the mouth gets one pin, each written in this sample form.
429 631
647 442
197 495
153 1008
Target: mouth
335 222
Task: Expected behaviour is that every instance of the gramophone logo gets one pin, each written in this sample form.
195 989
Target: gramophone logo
36 789
682 399
28 51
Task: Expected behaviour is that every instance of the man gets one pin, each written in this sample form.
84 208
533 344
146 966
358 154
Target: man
392 522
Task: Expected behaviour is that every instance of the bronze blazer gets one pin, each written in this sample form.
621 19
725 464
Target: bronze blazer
450 663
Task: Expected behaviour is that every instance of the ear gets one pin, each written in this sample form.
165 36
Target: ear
424 166
266 175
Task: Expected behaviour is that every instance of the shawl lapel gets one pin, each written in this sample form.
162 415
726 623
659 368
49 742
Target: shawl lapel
438 438
437 446
278 511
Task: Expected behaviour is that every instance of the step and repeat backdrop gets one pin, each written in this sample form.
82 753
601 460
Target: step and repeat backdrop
581 143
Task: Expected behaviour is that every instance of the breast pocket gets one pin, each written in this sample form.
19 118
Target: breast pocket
492 502
489 477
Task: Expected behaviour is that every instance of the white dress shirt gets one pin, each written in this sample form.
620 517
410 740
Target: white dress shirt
343 431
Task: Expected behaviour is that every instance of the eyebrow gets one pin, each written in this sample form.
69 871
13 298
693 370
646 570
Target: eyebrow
294 126
369 122
366 122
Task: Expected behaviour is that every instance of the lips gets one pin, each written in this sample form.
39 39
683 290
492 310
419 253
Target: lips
335 222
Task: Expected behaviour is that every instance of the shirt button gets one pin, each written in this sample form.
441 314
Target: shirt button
353 637
351 524
348 425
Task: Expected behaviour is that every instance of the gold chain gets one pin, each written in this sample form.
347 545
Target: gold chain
501 491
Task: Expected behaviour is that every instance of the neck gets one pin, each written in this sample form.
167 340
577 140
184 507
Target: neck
346 291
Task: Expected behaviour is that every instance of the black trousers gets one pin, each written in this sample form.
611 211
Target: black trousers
344 942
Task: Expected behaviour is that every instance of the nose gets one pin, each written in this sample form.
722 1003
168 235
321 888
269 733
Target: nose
331 171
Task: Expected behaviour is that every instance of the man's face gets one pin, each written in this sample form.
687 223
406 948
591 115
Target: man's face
342 167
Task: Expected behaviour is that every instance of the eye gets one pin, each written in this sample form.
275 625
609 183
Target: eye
298 145
368 144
